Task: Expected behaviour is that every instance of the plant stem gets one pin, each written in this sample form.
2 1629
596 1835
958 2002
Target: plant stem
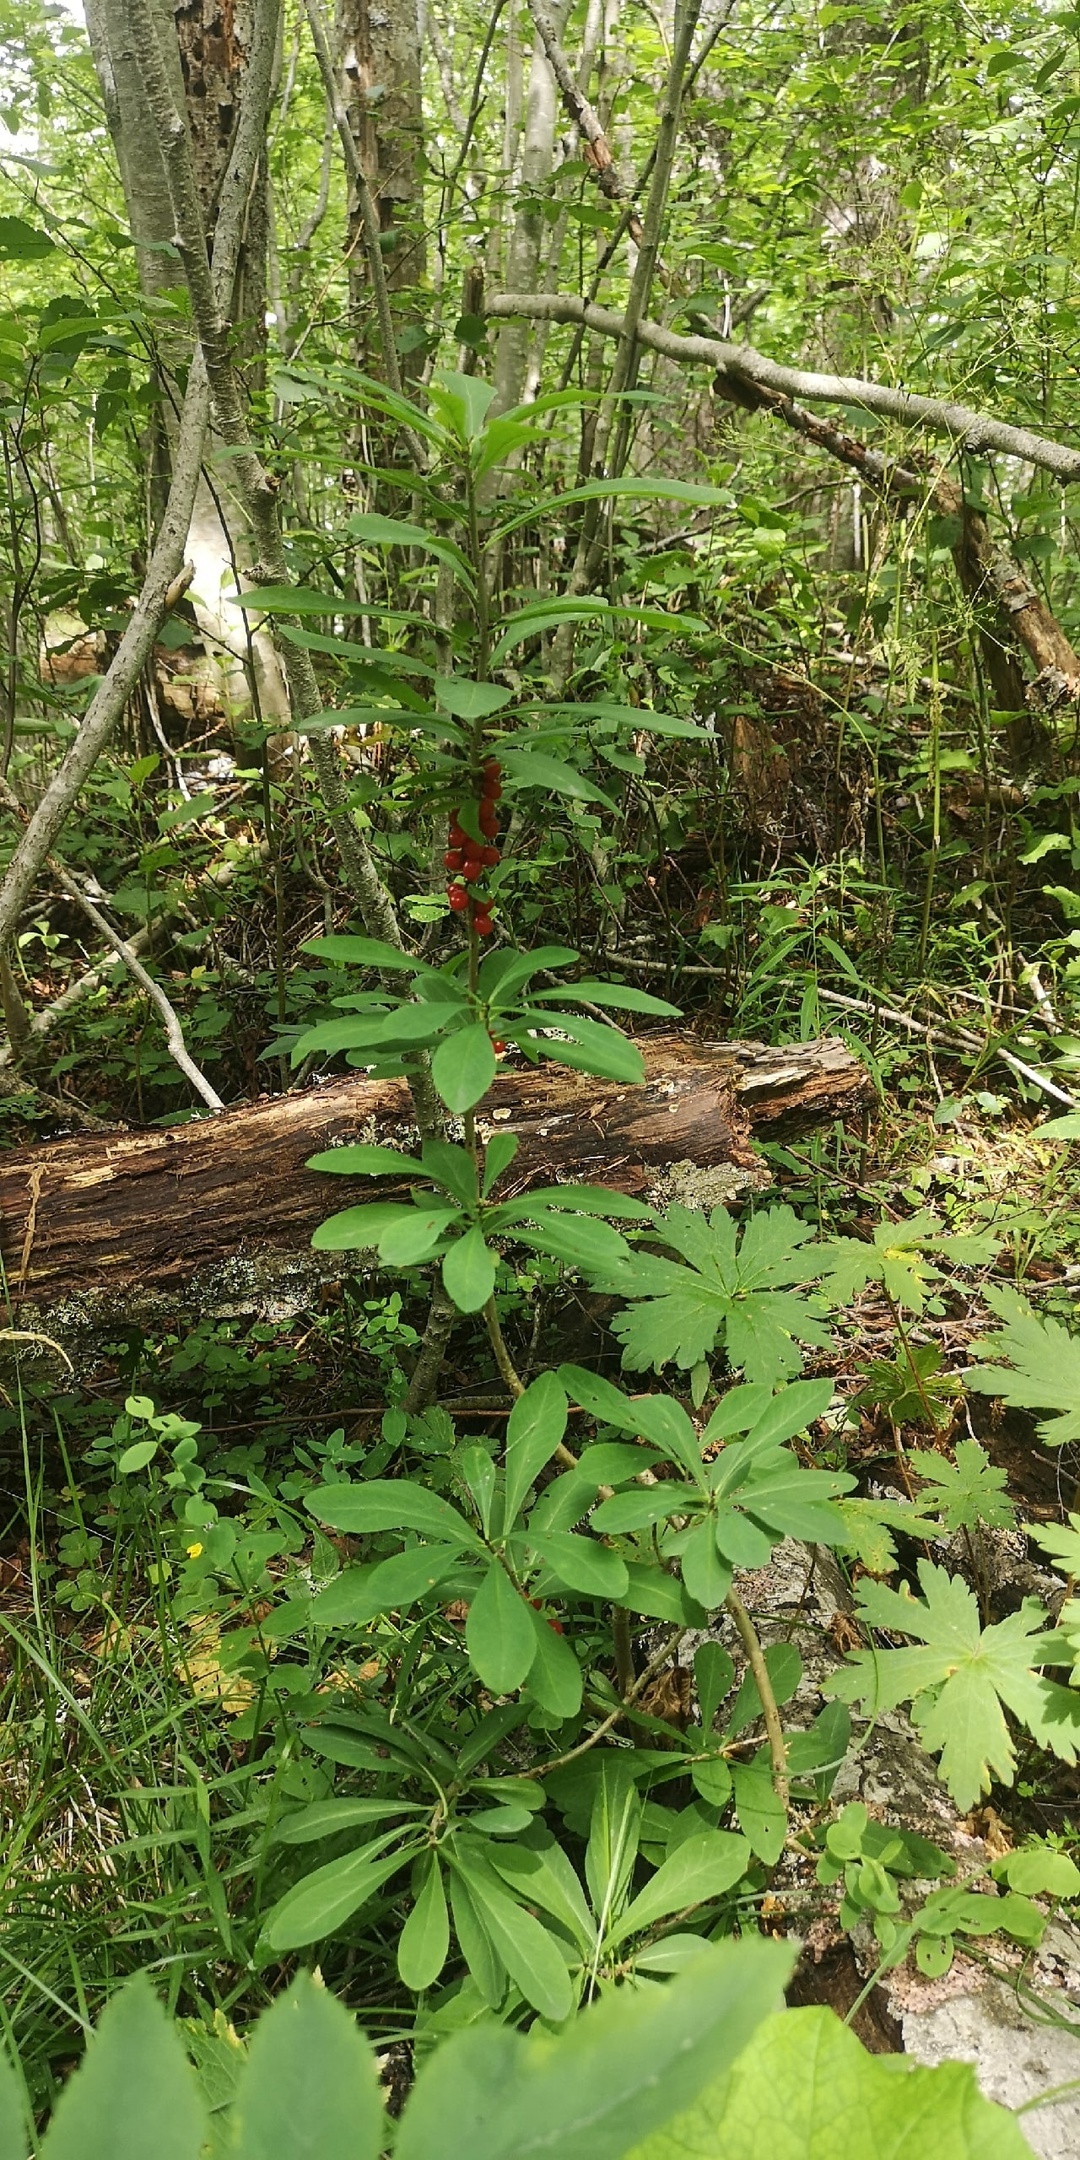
622 1643
748 1636
659 1659
503 1359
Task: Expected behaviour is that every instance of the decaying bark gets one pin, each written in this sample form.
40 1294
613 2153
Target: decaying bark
201 1211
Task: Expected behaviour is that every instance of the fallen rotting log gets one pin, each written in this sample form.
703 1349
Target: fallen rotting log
209 1209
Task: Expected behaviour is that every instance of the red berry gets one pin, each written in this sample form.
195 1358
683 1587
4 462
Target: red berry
489 822
452 858
490 857
472 867
455 836
492 791
492 768
458 898
498 1045
482 924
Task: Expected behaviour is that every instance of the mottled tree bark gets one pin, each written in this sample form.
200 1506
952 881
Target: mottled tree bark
381 65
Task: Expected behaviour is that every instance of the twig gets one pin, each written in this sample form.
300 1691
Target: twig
756 1660
174 1034
656 1662
959 1038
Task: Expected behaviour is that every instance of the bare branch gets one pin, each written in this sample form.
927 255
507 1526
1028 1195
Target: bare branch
973 431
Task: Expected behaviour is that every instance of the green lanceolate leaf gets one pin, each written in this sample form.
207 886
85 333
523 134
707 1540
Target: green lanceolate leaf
499 1634
533 769
581 1563
365 1162
701 1868
555 1679
425 1938
468 1271
328 1897
13 2134
620 996
530 1954
365 952
534 1430
464 1067
391 1504
135 2092
309 2088
325 1818
394 532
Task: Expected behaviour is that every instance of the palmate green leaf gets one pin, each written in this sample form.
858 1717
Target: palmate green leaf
806 2089
133 2094
964 1494
960 1679
309 2089
900 1255
499 1634
1042 1371
328 1897
580 1563
625 2067
724 1288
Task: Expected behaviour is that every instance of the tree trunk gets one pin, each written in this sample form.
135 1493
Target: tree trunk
381 48
205 53
207 1211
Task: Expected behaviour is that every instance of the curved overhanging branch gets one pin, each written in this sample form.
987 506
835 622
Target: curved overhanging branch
973 431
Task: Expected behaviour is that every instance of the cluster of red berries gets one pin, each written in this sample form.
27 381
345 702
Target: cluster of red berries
467 859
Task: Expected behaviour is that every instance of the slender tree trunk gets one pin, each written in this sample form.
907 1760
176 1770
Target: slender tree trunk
206 54
515 339
384 103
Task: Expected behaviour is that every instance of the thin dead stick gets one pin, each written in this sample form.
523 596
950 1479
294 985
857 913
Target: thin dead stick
656 1662
174 1034
956 1038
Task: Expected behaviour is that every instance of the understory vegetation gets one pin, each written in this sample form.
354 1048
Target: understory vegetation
530 540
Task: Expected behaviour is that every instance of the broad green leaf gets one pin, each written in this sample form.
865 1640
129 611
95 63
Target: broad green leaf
325 1899
470 700
499 1153
534 1430
424 1941
707 1576
20 242
395 1584
360 1161
611 1054
661 1596
325 1818
464 1066
309 2088
580 1241
581 1563
530 1954
614 1834
468 1271
461 402
416 1234
555 1680
762 1816
806 2089
13 2136
499 1634
603 1400
538 1870
1038 1871
133 2094
638 488
625 2067
714 1678
702 1867
359 1229
390 1504
393 532
575 1199
620 996
959 1679
365 952
137 1457
665 1423
533 769
638 1510
476 1946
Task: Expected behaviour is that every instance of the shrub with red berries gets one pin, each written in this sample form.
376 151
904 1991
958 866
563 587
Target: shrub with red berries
467 859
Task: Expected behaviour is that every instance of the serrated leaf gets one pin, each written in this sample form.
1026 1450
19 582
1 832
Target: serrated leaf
1042 1370
959 1679
966 1493
724 1288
